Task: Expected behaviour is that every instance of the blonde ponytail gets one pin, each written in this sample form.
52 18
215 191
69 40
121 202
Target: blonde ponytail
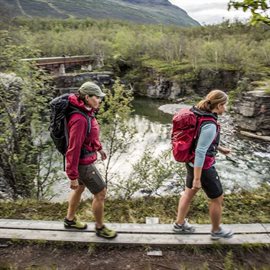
212 100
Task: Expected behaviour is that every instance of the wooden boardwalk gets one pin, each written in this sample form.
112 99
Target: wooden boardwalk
131 234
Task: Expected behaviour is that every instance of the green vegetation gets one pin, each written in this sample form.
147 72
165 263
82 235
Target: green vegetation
262 85
244 207
24 96
138 53
257 8
117 135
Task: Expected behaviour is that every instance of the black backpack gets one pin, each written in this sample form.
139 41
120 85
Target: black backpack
60 110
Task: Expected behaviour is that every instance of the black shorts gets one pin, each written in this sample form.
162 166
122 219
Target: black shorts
210 181
91 178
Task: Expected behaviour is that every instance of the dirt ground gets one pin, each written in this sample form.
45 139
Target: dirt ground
84 257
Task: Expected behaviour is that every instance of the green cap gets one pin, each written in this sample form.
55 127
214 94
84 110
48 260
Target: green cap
91 89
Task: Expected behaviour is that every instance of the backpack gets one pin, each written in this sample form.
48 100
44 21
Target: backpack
185 130
60 110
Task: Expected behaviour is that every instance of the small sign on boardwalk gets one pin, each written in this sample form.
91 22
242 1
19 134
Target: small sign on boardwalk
131 234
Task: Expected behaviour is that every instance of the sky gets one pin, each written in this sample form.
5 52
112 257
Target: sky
209 11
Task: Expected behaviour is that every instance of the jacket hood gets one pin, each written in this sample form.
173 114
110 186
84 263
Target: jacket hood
78 103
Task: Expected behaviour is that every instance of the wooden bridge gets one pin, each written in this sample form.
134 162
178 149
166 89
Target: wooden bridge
58 65
132 234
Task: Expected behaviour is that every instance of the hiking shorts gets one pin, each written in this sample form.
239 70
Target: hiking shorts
91 178
210 181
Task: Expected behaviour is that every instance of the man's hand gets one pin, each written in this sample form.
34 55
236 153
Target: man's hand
224 151
74 184
196 184
103 154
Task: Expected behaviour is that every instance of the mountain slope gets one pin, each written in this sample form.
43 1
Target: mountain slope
141 11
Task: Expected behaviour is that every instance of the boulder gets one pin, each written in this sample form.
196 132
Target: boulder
252 112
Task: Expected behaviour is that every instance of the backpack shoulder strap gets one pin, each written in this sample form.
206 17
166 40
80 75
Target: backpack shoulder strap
75 110
201 121
204 120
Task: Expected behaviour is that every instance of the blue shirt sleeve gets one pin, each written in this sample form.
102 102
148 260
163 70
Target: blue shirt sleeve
207 135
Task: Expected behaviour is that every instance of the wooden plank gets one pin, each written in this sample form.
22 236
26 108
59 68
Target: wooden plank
266 226
131 239
130 227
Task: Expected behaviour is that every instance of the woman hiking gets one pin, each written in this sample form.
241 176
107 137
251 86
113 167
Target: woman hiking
201 171
80 157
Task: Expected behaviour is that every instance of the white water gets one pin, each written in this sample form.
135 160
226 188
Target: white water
247 167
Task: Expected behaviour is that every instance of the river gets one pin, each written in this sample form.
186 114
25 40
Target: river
247 167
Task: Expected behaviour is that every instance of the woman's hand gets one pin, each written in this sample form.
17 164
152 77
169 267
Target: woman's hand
103 154
74 184
196 184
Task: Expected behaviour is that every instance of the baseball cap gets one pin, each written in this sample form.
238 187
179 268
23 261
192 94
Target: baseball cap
91 89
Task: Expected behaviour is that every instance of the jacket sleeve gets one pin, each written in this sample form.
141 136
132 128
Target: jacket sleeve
207 135
77 130
94 134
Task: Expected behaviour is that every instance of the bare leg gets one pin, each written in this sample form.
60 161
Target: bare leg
98 207
184 204
74 200
215 211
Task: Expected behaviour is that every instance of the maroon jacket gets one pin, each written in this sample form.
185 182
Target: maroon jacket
77 130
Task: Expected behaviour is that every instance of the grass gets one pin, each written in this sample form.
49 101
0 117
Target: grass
244 207
168 69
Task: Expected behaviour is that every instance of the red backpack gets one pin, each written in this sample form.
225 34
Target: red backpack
186 126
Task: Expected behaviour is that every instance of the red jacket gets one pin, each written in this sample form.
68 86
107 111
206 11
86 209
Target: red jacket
77 128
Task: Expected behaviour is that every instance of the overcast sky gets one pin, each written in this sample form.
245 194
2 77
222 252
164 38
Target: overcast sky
209 11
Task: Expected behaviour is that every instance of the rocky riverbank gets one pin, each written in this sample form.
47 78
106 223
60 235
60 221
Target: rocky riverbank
252 112
249 160
192 83
249 92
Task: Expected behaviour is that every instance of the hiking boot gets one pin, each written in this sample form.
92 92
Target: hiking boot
222 233
183 228
74 224
106 232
